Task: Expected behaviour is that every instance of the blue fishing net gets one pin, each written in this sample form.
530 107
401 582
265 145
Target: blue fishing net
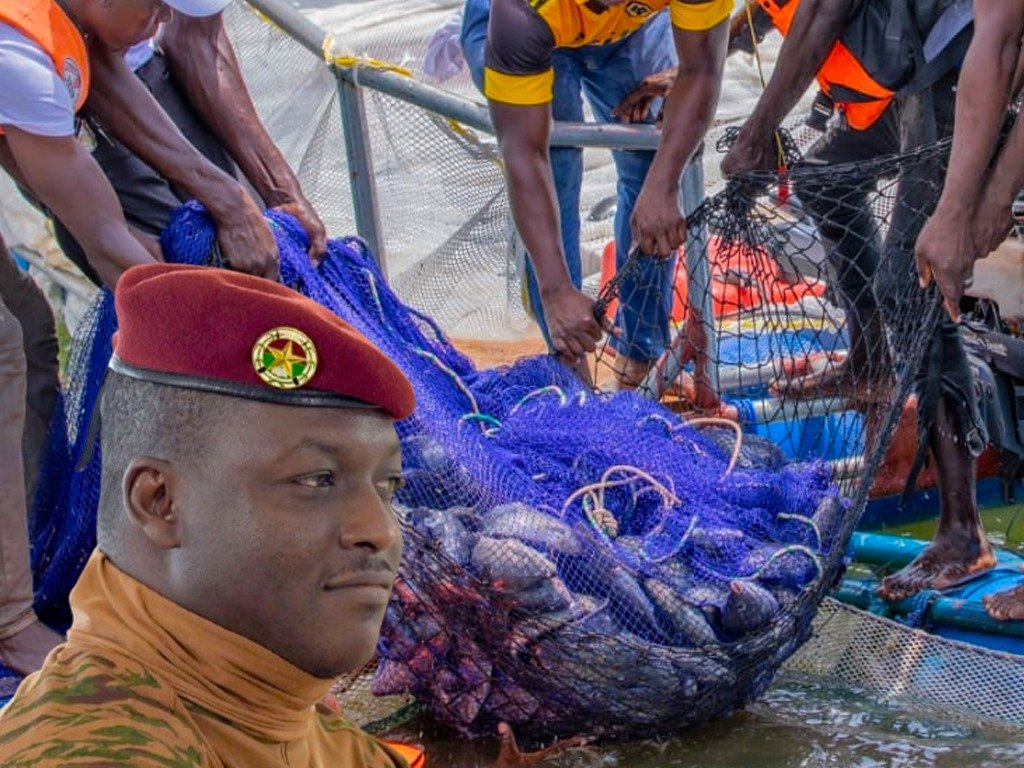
575 562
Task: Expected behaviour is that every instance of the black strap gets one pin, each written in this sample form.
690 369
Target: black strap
955 23
930 72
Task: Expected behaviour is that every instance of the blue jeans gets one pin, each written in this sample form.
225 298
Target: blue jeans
605 74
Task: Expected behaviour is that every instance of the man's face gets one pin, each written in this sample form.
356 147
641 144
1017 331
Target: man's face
120 24
288 536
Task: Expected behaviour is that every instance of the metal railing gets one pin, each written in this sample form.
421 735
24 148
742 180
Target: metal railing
355 75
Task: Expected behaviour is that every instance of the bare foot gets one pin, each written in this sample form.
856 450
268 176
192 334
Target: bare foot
949 560
510 754
1005 605
25 651
828 377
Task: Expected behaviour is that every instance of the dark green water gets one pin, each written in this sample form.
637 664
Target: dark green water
800 723
797 724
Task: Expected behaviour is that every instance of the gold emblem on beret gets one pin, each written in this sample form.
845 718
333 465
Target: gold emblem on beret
284 357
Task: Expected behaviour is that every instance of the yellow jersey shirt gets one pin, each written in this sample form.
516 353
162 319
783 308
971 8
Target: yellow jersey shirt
522 34
143 682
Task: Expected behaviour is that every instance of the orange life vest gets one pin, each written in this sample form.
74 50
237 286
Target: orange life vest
413 755
840 70
46 24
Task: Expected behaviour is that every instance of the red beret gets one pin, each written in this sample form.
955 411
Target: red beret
244 336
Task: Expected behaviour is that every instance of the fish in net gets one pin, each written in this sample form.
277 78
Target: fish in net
576 562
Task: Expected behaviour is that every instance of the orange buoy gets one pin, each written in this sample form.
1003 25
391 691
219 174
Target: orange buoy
742 277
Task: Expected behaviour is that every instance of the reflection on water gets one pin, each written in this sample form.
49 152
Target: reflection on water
798 724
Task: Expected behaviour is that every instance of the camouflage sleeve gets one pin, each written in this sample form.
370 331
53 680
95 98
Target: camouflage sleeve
84 710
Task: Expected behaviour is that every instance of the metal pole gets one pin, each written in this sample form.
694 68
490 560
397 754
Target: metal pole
475 115
293 23
698 275
470 113
698 265
360 169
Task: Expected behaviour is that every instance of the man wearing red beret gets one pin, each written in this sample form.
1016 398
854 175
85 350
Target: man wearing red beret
247 543
46 72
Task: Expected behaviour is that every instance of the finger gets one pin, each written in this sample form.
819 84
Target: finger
318 247
594 332
609 327
588 343
680 238
560 346
665 245
951 291
574 350
953 310
924 270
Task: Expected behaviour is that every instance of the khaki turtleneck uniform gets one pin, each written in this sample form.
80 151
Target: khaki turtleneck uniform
144 682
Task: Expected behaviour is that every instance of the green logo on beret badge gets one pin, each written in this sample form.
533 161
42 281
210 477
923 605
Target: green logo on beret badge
284 357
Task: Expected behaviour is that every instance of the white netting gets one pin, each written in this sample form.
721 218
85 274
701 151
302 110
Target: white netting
443 209
898 663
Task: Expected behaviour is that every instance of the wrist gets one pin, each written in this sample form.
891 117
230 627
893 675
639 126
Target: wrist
954 206
555 289
223 197
661 182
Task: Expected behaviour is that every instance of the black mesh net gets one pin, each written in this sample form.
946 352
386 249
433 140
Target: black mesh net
662 562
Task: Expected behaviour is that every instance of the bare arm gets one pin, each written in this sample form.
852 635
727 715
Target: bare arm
635 108
88 207
523 133
203 61
982 95
131 114
973 213
658 226
817 24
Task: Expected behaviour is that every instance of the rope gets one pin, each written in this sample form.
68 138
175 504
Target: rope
352 62
760 74
704 421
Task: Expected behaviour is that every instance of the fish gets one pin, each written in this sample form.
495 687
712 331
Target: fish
549 596
511 565
719 542
778 568
748 607
530 525
434 489
444 528
668 537
602 576
398 637
392 678
423 452
756 452
528 629
473 663
509 701
752 489
422 662
828 518
686 621
457 704
676 573
708 597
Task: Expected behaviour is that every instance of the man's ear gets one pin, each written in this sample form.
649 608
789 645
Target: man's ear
147 490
